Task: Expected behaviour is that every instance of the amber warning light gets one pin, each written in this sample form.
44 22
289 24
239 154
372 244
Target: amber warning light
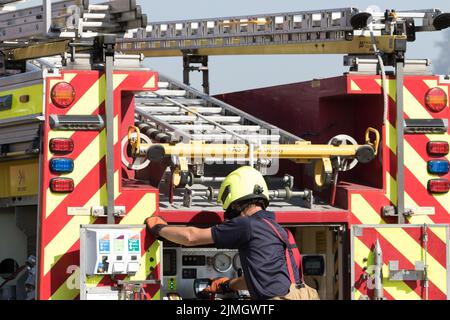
63 94
436 100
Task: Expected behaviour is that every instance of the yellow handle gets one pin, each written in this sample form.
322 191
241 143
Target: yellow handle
376 143
135 142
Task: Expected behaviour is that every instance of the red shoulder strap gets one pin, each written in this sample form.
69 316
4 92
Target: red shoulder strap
287 250
295 253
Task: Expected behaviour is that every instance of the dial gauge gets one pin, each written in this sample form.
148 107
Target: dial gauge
222 262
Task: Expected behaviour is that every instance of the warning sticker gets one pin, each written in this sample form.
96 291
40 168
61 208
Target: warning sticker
104 244
119 243
133 243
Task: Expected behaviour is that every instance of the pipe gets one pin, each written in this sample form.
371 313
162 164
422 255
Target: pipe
284 151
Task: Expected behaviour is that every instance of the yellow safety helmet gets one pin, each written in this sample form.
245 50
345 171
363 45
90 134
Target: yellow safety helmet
245 183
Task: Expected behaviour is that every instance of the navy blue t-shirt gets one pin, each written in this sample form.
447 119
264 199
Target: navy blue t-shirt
261 252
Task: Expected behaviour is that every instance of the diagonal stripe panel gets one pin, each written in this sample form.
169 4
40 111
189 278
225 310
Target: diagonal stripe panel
413 160
392 253
402 240
62 231
84 163
145 206
398 290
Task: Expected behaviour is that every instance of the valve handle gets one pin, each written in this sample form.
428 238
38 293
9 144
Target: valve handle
135 142
375 144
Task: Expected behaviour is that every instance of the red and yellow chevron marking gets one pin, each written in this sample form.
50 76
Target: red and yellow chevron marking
59 234
402 244
415 157
405 245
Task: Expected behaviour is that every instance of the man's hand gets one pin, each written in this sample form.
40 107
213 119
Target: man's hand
219 285
155 224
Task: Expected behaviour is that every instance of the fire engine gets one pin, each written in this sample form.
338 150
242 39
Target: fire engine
92 142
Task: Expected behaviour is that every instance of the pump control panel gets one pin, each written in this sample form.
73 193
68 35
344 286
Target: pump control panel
108 251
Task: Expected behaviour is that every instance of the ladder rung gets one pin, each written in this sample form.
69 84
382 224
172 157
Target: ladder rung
163 84
169 109
170 93
227 119
208 127
159 101
221 137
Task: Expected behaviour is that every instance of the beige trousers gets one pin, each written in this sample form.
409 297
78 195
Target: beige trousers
306 293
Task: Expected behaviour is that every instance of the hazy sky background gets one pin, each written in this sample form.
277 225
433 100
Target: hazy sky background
234 73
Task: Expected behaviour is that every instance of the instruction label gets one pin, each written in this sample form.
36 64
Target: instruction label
133 243
104 244
119 243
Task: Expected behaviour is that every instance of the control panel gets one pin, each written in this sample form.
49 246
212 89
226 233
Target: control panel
108 251
181 266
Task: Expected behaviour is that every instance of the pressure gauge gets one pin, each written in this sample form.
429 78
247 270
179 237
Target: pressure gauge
222 262
237 262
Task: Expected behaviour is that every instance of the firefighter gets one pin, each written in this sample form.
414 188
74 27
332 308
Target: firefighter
249 228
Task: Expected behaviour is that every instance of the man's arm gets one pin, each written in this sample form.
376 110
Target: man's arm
238 284
187 236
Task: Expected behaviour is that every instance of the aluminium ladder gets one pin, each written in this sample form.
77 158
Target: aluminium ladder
341 30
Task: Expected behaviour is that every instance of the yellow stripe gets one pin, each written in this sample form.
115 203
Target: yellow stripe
399 290
391 188
391 86
363 211
146 264
91 99
151 83
391 137
95 96
67 78
413 108
354 86
118 79
144 208
410 203
72 282
405 244
68 235
434 84
83 164
418 167
401 240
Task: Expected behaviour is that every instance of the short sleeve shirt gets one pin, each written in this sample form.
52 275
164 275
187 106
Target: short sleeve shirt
261 252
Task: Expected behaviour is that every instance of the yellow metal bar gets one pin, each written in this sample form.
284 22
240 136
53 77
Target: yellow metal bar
38 50
359 45
283 151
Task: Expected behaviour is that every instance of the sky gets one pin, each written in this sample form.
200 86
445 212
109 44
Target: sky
236 73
